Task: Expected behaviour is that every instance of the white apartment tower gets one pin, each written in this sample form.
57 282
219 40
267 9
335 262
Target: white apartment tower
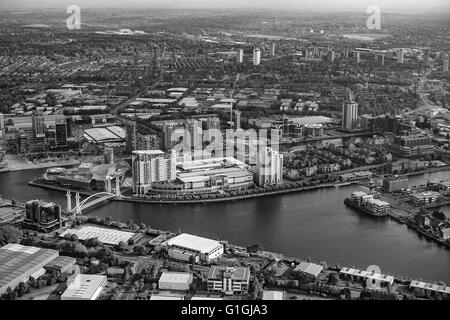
149 166
269 167
240 56
401 56
256 57
349 113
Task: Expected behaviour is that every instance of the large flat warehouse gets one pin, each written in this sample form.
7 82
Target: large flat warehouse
18 263
104 235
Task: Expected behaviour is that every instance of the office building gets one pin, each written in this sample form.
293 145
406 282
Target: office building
228 280
256 57
269 167
175 281
357 57
349 113
395 183
131 136
240 56
186 247
37 123
412 146
19 263
422 198
61 131
85 287
445 63
171 134
149 166
148 142
42 216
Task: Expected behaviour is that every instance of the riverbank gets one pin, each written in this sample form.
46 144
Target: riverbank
19 164
38 183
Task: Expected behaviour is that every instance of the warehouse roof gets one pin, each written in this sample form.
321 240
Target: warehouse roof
309 268
175 277
84 286
104 235
18 261
192 242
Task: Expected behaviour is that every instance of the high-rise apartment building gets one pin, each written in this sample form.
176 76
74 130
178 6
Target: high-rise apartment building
240 56
256 57
401 56
269 167
150 166
349 113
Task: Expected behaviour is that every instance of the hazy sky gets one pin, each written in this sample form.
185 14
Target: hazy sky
358 5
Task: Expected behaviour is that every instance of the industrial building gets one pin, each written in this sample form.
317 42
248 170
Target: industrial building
185 246
104 235
229 280
175 281
85 287
309 268
274 295
18 263
104 135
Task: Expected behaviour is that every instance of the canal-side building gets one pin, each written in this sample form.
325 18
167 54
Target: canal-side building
186 247
269 167
422 198
229 280
395 183
150 166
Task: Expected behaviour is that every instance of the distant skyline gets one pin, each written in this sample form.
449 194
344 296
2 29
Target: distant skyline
400 6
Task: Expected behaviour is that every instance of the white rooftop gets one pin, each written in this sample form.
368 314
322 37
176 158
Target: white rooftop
175 277
104 235
84 287
309 268
192 242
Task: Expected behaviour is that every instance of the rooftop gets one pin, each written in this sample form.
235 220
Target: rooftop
175 277
18 261
84 286
235 273
192 242
104 235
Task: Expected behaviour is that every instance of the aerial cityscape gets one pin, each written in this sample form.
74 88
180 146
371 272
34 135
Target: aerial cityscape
157 151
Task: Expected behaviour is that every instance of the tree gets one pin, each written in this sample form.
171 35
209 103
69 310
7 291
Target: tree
439 215
332 279
9 234
257 247
122 246
139 250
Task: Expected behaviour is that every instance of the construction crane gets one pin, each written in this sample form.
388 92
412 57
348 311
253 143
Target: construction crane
231 99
